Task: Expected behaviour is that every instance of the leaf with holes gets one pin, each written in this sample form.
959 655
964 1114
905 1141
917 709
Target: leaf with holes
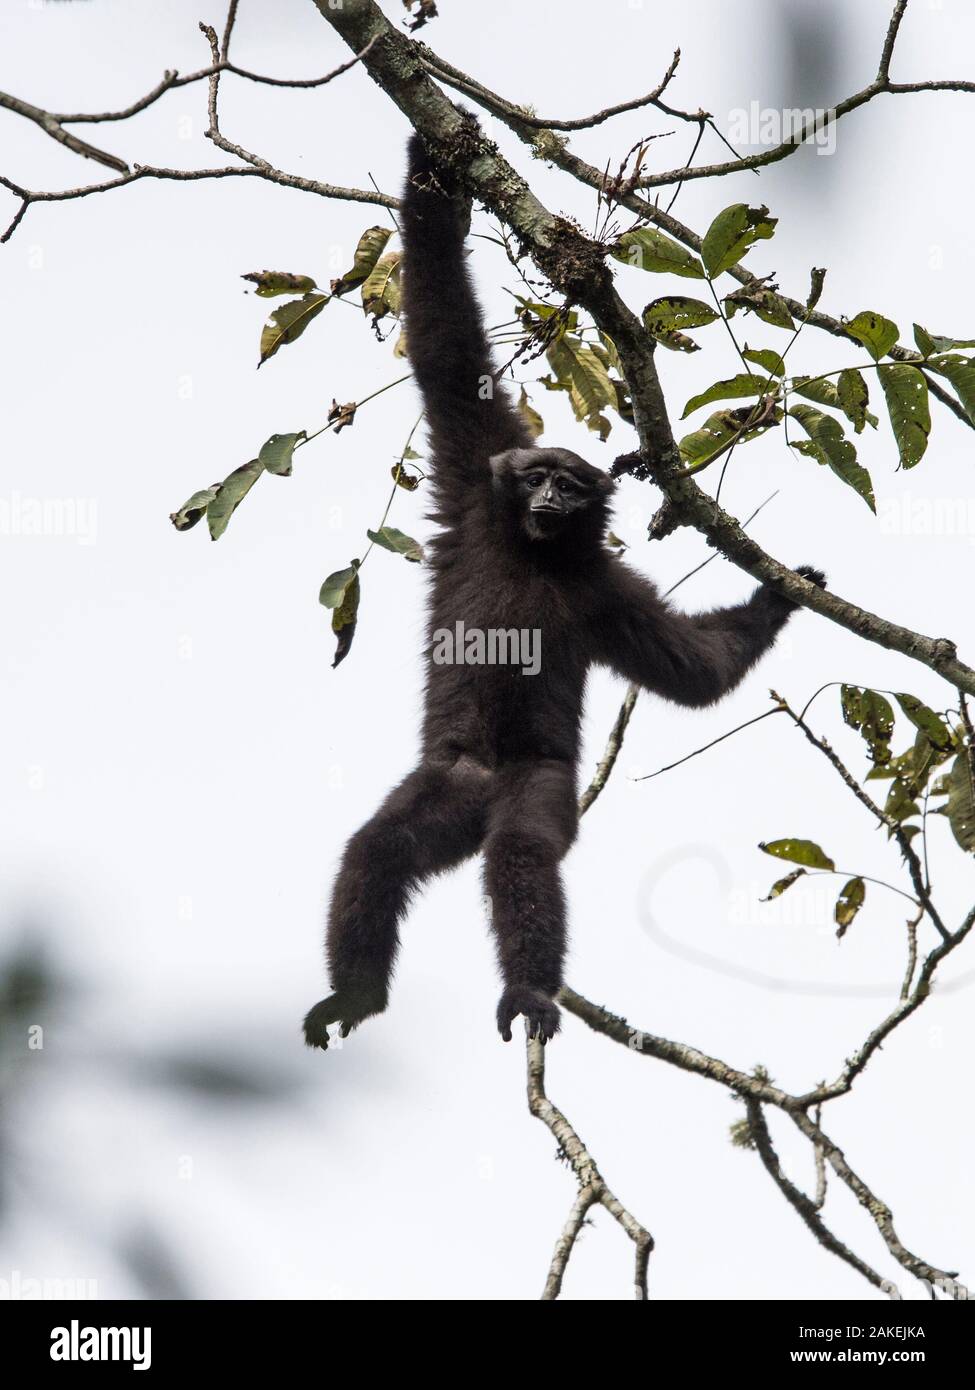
930 724
781 884
877 334
677 311
873 715
805 852
849 903
906 392
852 396
269 283
276 453
960 371
960 807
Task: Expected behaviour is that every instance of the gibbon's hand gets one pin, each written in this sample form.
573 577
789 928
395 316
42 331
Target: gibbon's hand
345 1007
541 1013
814 575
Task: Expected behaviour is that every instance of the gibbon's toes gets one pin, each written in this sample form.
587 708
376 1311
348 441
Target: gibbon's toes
345 1007
814 575
542 1017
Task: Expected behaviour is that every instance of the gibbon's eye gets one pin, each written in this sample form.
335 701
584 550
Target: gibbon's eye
535 479
566 485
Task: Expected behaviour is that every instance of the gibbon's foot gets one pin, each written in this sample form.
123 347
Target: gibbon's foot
814 575
347 1008
540 1011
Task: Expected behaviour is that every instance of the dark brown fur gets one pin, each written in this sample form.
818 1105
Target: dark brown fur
498 765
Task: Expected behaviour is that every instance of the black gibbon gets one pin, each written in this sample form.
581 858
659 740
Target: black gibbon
520 547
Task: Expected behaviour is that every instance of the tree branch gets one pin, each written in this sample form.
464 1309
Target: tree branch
592 1185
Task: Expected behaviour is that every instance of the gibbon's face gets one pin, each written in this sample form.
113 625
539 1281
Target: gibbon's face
552 488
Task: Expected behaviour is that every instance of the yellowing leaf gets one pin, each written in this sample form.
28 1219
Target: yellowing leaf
805 852
287 323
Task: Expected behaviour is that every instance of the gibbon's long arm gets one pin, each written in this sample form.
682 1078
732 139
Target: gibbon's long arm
468 414
692 660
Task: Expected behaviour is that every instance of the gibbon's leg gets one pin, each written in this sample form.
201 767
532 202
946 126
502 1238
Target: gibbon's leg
531 823
430 822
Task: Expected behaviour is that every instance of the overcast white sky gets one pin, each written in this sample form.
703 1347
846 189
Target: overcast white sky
182 766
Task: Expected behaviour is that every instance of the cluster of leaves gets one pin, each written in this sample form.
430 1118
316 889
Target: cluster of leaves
835 403
375 272
934 739
589 372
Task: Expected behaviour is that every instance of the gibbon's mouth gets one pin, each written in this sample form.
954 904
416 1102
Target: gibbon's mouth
547 510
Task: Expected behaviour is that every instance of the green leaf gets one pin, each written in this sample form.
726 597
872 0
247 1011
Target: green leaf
928 343
381 290
829 446
900 802
391 539
531 417
930 724
914 766
960 808
733 387
769 306
371 245
289 322
781 884
871 713
579 371
345 617
852 395
677 342
230 494
877 334
276 453
960 371
849 903
403 478
648 249
271 282
718 430
333 591
906 392
805 852
767 358
677 311
817 278
732 232
191 512
817 388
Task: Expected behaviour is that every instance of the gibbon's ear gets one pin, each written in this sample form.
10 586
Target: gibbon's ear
500 464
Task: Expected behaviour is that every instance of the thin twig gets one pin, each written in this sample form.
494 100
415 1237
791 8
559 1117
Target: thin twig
592 1185
805 1206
